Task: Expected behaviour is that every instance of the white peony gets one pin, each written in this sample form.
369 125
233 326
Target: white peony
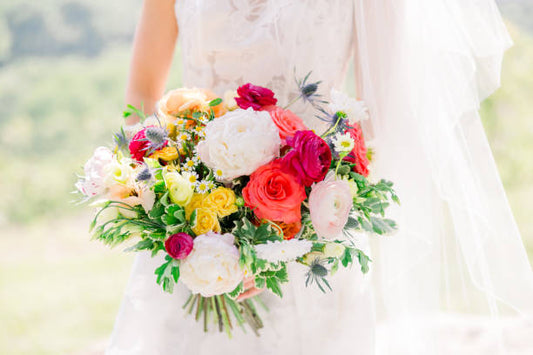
239 142
286 250
355 110
212 268
93 183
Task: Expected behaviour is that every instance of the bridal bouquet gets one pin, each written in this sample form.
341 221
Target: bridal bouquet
231 191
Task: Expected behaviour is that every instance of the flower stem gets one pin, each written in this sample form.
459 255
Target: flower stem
292 102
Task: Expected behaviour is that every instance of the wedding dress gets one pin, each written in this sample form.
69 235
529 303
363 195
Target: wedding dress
422 67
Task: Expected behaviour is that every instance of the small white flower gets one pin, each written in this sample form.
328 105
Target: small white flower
202 187
286 250
355 110
191 176
211 185
333 250
189 164
219 175
343 142
183 137
204 119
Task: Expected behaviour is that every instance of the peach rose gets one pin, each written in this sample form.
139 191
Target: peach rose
184 101
274 194
286 121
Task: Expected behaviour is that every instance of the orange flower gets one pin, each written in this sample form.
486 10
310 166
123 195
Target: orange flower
166 154
274 194
290 229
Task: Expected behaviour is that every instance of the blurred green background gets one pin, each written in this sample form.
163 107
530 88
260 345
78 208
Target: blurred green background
63 67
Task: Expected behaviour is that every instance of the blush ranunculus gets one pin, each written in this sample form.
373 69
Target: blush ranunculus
310 158
255 97
179 245
358 155
274 194
286 121
330 203
139 145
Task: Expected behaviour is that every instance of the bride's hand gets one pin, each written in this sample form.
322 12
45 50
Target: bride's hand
249 289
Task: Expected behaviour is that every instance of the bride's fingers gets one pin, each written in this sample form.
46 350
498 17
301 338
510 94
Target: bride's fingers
249 293
248 283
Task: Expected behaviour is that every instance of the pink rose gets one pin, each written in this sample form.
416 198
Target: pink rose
255 97
330 203
179 245
286 121
358 154
310 158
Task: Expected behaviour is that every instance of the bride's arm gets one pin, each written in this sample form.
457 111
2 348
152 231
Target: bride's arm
153 49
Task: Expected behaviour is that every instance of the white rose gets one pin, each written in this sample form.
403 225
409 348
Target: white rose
212 268
93 183
229 99
239 142
355 110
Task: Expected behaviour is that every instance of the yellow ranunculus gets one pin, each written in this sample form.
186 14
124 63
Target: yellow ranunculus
166 154
196 202
180 190
206 220
222 200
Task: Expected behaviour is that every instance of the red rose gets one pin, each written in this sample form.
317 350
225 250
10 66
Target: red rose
274 194
358 155
286 121
140 145
255 97
310 158
179 245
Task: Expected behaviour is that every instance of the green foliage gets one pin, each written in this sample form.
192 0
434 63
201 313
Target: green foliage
168 274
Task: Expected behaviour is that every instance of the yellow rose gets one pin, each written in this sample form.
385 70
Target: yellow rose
196 202
222 200
206 220
166 154
180 190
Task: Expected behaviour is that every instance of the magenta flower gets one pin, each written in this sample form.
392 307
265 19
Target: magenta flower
255 97
310 158
179 245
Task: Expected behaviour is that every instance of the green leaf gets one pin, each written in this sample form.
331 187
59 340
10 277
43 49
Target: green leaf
363 261
215 102
145 244
273 285
237 291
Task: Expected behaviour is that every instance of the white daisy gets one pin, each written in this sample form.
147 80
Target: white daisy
343 142
219 175
183 137
189 164
191 176
286 250
202 186
211 185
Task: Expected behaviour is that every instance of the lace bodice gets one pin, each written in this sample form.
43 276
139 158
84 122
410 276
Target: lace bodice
226 43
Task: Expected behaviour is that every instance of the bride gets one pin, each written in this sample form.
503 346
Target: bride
422 67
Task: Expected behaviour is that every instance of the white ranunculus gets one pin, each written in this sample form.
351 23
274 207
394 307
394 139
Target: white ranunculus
239 142
212 268
355 110
93 183
286 250
330 203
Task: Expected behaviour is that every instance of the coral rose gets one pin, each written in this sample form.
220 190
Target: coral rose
358 155
179 245
310 158
274 194
255 97
286 121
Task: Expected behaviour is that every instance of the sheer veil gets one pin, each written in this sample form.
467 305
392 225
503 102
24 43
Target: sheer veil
423 67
